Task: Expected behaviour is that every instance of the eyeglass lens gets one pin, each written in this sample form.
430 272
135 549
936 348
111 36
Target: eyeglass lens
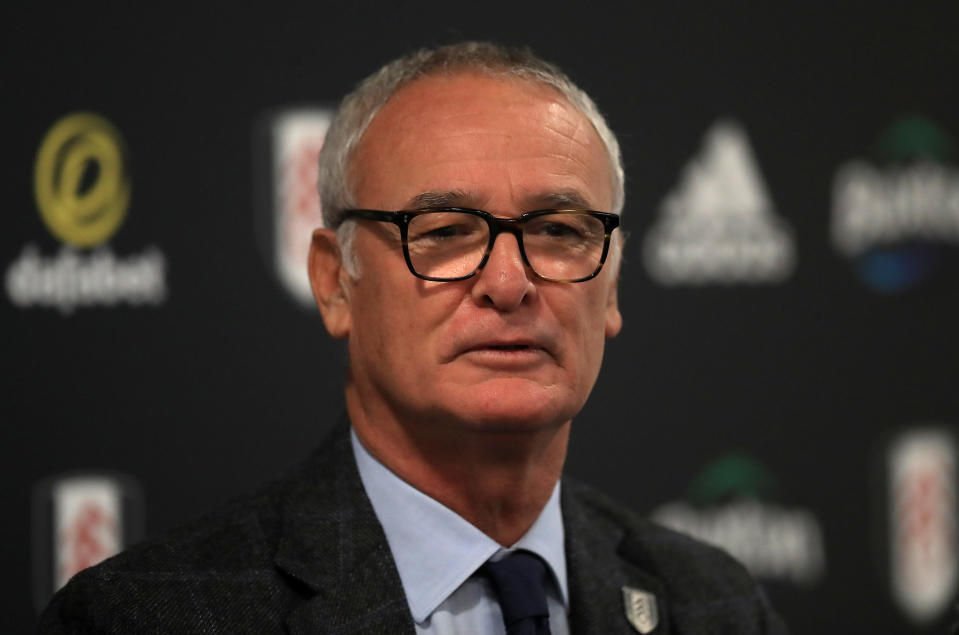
559 246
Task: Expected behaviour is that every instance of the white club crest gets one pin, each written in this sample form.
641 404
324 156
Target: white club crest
640 607
924 554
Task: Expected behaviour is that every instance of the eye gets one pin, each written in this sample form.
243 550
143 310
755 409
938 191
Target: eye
559 230
440 233
567 228
447 231
444 227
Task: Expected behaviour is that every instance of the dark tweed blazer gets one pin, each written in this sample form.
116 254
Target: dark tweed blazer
307 555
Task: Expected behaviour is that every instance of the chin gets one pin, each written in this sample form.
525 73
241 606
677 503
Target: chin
515 406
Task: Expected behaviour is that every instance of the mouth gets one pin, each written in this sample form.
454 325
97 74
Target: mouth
505 345
508 356
505 348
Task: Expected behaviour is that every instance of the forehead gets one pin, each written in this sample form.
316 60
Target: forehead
475 133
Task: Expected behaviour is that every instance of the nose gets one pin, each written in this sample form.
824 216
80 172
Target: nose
504 282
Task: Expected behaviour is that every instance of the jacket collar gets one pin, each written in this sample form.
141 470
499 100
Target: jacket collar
599 568
354 585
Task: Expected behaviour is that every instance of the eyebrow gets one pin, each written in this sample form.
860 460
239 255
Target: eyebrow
437 199
442 198
564 199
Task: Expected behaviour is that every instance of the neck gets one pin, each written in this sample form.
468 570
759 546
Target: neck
498 479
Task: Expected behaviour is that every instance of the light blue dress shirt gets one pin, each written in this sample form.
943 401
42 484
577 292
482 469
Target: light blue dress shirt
437 551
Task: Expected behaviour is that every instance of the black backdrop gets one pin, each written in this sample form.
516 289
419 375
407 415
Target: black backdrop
228 379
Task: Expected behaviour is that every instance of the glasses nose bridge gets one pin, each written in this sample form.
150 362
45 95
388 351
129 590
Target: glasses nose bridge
513 226
499 226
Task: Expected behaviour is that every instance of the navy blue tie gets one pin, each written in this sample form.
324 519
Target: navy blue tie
519 581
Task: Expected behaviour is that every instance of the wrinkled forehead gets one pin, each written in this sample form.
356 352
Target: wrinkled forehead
441 119
450 99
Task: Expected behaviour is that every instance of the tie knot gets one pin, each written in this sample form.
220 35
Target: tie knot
519 581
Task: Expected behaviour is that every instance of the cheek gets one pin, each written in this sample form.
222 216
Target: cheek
397 319
593 325
374 317
595 342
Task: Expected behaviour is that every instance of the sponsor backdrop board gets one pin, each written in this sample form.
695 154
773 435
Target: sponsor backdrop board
786 382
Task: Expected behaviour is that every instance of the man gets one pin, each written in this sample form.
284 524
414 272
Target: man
471 195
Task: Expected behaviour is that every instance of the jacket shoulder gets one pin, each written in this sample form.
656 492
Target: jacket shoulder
699 583
162 584
217 570
665 553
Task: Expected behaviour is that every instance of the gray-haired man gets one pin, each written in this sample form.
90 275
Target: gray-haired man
471 195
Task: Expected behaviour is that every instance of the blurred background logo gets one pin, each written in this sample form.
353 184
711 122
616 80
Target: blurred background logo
895 218
730 504
80 520
292 140
82 191
80 180
719 225
923 524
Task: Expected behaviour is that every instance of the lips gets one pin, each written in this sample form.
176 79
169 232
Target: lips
499 340
518 346
505 346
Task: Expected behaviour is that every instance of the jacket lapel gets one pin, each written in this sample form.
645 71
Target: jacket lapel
597 571
333 546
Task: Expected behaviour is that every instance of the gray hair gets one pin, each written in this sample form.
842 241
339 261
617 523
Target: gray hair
359 108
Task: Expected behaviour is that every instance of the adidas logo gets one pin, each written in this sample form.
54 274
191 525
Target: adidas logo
719 225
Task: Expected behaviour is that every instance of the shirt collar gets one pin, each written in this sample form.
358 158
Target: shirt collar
435 549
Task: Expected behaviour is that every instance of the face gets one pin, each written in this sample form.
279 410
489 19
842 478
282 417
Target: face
502 350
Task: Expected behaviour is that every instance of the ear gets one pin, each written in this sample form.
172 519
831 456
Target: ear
614 321
328 278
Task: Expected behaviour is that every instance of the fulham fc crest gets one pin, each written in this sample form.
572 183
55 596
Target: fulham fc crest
640 609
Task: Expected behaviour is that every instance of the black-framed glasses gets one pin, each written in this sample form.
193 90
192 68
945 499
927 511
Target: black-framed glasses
450 244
